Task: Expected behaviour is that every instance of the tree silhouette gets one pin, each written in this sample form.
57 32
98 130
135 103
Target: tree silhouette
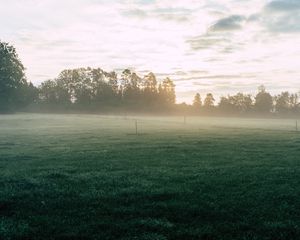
15 92
239 103
131 83
150 88
286 103
209 101
95 88
282 103
263 101
197 102
168 91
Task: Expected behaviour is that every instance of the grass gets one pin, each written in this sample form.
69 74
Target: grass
91 177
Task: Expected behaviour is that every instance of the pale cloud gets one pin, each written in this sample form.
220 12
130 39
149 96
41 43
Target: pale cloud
205 45
282 16
283 5
231 23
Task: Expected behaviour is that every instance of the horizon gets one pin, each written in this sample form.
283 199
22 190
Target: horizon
223 47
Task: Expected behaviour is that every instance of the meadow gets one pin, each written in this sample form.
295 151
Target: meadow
93 177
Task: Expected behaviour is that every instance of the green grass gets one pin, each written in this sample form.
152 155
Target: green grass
91 177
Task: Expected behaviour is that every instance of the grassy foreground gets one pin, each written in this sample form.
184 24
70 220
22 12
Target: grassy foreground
91 177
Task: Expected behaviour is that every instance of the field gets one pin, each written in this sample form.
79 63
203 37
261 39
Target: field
92 177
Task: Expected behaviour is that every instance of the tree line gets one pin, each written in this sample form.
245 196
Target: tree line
93 89
263 103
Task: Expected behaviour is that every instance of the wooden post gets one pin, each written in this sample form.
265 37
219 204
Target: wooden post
136 127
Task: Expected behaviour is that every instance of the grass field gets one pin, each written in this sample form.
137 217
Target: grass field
91 177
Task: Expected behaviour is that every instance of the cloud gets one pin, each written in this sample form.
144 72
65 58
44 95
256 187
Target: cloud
230 34
282 16
216 77
206 41
283 6
231 23
138 13
177 14
283 24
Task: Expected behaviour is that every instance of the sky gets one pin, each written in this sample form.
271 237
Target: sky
219 46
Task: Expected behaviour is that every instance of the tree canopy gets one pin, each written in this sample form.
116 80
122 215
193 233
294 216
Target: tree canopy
12 78
96 88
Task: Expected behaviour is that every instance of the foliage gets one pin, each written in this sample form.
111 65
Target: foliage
263 101
209 101
286 103
197 102
238 103
95 87
15 92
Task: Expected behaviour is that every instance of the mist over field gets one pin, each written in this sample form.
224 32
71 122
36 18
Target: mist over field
150 120
95 177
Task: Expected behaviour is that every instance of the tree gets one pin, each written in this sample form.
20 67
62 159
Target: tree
125 82
47 92
226 105
286 103
150 92
282 103
209 101
294 103
28 94
167 91
13 85
130 87
263 101
242 102
103 86
65 87
197 102
150 83
113 82
239 103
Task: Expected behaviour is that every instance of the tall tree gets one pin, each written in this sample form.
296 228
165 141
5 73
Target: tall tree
209 101
150 88
226 105
294 103
150 82
65 87
197 102
48 92
131 87
263 101
167 90
286 103
13 85
282 103
113 82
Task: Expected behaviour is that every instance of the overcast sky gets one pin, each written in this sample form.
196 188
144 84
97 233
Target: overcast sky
219 46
